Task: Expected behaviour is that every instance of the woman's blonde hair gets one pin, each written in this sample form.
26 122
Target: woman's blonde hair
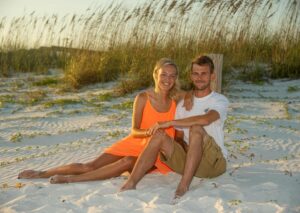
161 63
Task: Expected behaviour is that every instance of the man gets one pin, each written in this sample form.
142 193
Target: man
199 148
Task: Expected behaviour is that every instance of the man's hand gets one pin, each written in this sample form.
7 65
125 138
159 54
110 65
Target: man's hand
158 125
188 101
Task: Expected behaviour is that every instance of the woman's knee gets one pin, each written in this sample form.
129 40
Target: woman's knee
84 167
157 138
162 142
128 161
89 166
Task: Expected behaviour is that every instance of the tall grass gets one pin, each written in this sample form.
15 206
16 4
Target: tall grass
124 44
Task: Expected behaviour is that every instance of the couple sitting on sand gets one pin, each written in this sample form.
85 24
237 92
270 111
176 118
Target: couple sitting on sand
165 136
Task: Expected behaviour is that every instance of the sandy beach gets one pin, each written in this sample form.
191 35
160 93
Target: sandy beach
42 127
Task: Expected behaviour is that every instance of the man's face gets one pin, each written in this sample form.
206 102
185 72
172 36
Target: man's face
201 77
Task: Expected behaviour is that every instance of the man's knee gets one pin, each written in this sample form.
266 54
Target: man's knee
197 130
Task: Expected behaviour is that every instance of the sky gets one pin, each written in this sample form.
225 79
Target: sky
11 8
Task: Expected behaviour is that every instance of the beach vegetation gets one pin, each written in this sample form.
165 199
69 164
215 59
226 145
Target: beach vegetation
49 81
117 116
285 109
105 96
33 97
7 99
26 98
74 112
61 102
234 202
124 105
117 43
16 137
255 74
115 134
293 89
289 173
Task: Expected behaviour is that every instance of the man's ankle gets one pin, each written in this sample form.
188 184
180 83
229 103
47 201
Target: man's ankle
181 190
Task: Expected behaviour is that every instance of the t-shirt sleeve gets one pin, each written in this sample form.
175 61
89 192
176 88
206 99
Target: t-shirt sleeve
221 106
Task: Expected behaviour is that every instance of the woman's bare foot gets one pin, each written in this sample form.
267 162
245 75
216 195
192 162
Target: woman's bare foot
28 174
59 179
128 186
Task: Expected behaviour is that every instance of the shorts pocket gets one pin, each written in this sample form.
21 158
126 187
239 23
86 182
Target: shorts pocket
212 152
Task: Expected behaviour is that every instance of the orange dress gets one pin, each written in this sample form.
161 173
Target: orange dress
133 146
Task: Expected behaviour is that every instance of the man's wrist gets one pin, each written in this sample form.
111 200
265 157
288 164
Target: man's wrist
172 123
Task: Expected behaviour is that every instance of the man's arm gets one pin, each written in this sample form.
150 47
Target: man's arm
202 120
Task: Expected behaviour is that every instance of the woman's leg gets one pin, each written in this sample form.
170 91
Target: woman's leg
72 169
114 169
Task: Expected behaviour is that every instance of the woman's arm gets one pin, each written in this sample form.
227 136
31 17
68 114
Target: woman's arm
137 115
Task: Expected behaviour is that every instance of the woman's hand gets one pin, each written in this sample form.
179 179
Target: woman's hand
158 125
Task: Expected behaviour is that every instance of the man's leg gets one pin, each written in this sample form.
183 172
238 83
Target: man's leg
72 169
193 159
160 142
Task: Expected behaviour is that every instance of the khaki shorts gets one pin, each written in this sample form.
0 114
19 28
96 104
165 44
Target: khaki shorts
212 163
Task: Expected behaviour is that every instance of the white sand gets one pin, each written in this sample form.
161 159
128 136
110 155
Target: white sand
262 136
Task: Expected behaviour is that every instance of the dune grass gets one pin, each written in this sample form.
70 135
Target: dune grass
114 43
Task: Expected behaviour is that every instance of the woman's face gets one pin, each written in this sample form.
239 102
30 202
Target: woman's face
166 77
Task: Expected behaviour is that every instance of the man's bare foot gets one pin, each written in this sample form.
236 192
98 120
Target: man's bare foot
28 174
180 191
59 179
127 186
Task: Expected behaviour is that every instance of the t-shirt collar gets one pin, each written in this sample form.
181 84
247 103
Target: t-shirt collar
205 97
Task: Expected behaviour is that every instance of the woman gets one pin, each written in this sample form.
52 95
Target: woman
150 107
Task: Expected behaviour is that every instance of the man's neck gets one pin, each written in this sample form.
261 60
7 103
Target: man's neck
202 93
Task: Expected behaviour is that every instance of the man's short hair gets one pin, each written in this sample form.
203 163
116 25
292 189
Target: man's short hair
204 60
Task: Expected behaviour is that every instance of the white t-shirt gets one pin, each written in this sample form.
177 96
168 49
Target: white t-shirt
213 101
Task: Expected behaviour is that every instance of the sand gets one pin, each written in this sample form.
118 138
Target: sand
262 135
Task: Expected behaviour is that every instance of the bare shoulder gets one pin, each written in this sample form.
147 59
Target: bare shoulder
141 98
149 93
